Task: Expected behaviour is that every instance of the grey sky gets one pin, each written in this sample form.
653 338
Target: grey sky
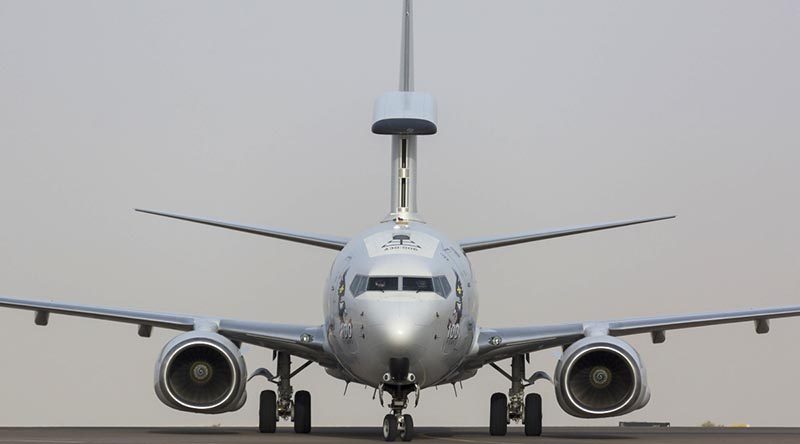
551 114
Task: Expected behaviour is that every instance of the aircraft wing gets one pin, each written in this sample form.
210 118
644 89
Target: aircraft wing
305 341
317 240
485 243
494 344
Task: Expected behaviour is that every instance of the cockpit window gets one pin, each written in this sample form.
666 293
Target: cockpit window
417 284
441 286
359 285
436 284
382 284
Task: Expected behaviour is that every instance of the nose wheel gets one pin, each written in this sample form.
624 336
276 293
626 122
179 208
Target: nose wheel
395 423
390 427
398 426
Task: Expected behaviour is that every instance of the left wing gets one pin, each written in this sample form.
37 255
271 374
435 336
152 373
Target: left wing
499 343
305 341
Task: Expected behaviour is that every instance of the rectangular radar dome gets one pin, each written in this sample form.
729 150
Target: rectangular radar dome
405 113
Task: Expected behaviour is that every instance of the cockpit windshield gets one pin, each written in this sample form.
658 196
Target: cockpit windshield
359 285
436 284
441 286
417 284
382 284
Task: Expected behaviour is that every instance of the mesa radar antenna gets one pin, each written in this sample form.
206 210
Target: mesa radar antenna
404 115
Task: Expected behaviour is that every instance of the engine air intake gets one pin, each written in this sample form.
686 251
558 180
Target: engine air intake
201 375
601 379
201 372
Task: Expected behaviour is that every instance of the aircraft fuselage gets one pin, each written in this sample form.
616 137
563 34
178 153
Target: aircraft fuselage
400 291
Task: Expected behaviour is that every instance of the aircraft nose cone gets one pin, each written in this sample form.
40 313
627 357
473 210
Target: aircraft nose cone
400 334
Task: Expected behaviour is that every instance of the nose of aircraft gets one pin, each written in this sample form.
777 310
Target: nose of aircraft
399 334
398 328
400 324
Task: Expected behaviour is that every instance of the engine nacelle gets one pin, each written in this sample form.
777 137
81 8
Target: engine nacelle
600 376
201 372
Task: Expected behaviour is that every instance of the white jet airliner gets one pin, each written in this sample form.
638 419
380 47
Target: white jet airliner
400 315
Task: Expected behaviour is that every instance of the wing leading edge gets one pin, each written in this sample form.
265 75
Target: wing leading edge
494 344
485 243
305 341
317 240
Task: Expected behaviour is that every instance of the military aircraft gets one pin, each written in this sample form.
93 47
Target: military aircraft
400 315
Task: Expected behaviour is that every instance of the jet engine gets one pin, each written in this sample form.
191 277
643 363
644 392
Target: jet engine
201 372
600 376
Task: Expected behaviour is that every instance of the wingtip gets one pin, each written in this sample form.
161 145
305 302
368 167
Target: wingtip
656 219
142 210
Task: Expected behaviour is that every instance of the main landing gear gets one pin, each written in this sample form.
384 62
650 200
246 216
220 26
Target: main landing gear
516 407
399 383
272 406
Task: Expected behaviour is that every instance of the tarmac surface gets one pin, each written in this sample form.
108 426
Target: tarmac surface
465 435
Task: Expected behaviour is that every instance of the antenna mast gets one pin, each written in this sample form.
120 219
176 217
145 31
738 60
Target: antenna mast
404 147
407 49
404 114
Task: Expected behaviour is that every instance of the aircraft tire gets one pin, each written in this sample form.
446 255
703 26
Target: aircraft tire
302 412
267 412
389 428
533 414
498 415
408 428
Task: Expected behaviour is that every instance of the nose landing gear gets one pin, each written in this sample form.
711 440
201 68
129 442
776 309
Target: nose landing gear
516 407
398 382
394 426
395 423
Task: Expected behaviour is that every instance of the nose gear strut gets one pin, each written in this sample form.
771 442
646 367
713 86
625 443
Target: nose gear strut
395 423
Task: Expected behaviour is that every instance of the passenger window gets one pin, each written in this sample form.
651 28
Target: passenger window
382 284
417 284
441 286
359 285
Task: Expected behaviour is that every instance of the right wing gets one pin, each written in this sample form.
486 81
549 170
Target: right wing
485 243
494 344
318 240
306 341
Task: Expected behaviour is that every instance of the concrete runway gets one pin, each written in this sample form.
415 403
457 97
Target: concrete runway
551 435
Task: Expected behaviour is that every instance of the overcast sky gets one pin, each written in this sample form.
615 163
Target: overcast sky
550 114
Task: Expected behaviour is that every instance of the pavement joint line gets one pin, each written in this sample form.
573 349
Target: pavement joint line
42 441
463 440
